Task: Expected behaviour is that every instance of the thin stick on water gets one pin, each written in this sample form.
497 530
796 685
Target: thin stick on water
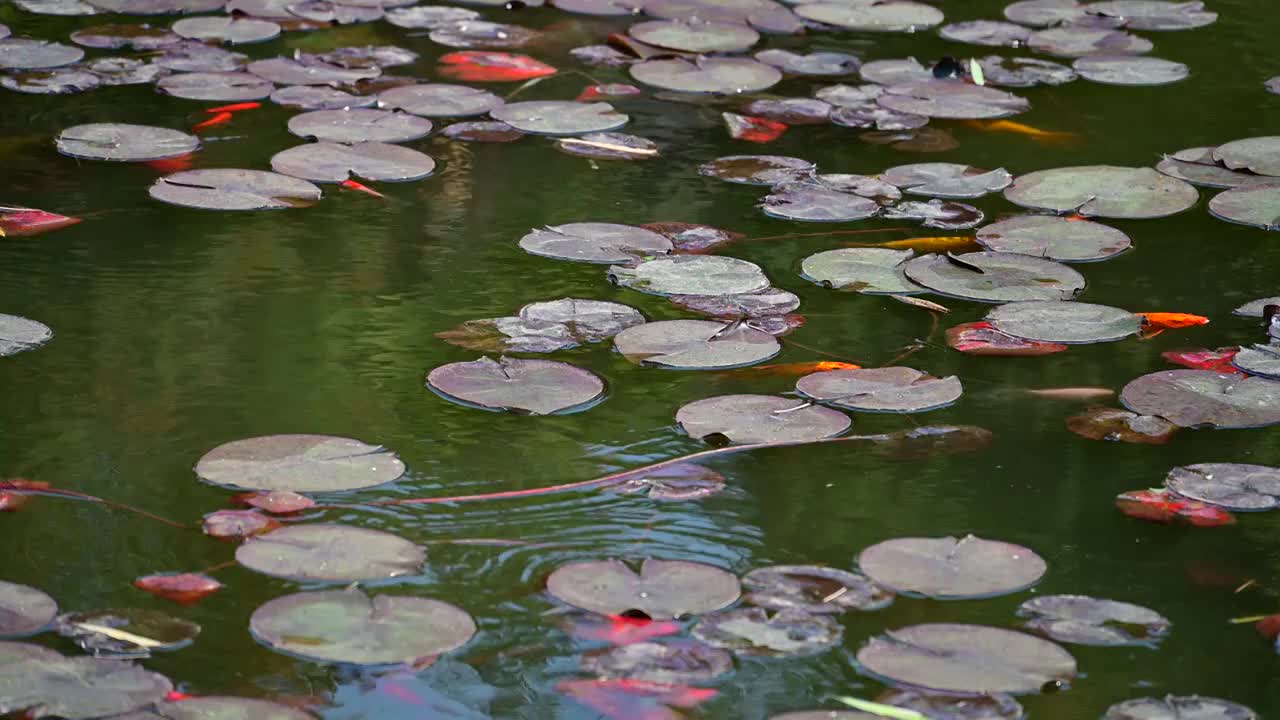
795 236
85 497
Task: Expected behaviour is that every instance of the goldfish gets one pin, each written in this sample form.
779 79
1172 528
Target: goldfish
795 369
752 129
1154 323
234 107
944 243
221 118
1035 133
1072 393
353 185
173 164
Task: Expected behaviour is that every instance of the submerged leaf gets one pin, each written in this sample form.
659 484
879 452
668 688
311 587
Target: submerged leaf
233 525
981 338
1164 507
675 661
24 610
182 588
1103 423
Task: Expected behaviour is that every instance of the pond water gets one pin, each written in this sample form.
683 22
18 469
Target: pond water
178 330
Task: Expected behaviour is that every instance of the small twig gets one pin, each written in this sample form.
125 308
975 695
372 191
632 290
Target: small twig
610 146
835 595
1247 584
73 495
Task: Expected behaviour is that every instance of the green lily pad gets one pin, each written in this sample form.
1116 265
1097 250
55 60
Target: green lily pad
1198 166
1234 486
214 707
1173 707
947 568
1054 238
1064 322
234 189
872 271
24 610
695 345
533 387
749 419
1259 155
1202 398
875 16
124 143
885 389
301 463
672 662
1004 277
695 35
661 590
707 75
42 683
330 552
691 275
1103 191
813 589
760 632
336 162
19 334
1084 620
559 117
1254 205
595 242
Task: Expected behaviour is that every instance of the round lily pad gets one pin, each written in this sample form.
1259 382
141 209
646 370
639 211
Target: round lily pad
886 389
24 610
1046 13
53 82
482 34
27 54
872 115
661 590
1084 620
749 419
214 707
439 100
986 32
995 277
682 481
692 275
989 706
695 345
559 117
864 185
158 7
359 125
1155 14
858 95
1080 40
591 242
334 162
232 30
124 71
194 56
704 74
947 568
42 683
812 202
941 214
482 132
813 589
229 189
301 463
322 552
1103 191
66 8
966 659
1202 398
791 111
216 86
1256 308
814 64
1024 71
1262 360
1254 205
1054 238
135 37
90 630
873 271
672 662
765 303
546 327
19 334
1116 425
608 146
695 36
347 626
757 169
877 16
429 16
948 99
893 71
759 632
370 57
1130 70
1198 166
123 142
315 97
323 11
1173 707
947 180
533 387
1234 486
1064 322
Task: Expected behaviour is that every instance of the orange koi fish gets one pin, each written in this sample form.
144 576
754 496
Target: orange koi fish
946 243
793 369
233 108
1018 128
221 118
353 185
1155 323
173 164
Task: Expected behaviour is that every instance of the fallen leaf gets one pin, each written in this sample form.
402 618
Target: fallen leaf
182 588
1159 505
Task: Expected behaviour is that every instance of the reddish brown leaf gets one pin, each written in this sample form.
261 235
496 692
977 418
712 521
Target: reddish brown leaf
1268 627
182 588
980 338
14 501
1201 359
484 66
237 524
1164 507
279 502
1103 423
23 222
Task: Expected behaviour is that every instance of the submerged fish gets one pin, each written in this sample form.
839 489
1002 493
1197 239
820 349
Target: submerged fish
1018 128
1172 321
1072 393
946 243
221 118
234 107
794 369
360 187
173 164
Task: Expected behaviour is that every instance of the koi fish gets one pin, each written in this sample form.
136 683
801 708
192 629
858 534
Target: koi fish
1018 128
752 129
941 244
221 118
1172 321
233 108
173 164
1159 505
1072 393
353 185
794 369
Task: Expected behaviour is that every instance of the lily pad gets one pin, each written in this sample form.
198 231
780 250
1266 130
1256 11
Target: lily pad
231 30
323 552
1116 425
19 334
134 37
41 683
691 275
857 96
673 662
359 125
1234 486
1262 360
301 463
1198 166
124 71
608 146
1173 707
947 180
236 525
1064 322
864 185
750 419
194 56
315 97
759 632
546 327
980 338
813 589
893 71
1253 205
482 132
348 626
334 162
533 387
966 659
872 115
886 389
429 16
482 34
1103 191
439 100
229 189
873 15
792 111
57 81
812 202
923 140
1084 620
27 54
216 86
944 215
1155 14
1201 398
873 271
814 64
1054 238
66 8
695 35
91 630
728 76
559 117
986 32
1024 71
1256 308
949 99
1046 13
123 142
757 169
769 302
158 7
1004 277
214 707
1080 41
695 345
1130 70
661 590
323 11
24 610
947 568
941 706
682 481
592 242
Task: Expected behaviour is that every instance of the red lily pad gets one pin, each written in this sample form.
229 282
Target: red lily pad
1163 506
182 588
24 610
1218 361
981 338
279 502
1114 424
661 590
950 568
236 525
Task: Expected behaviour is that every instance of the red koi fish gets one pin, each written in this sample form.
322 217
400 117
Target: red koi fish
233 108
1017 128
1216 360
1154 323
173 164
793 369
221 118
753 129
353 185
1159 505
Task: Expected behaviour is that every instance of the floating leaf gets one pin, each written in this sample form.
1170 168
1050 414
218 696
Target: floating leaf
479 66
559 117
333 13
40 683
695 345
301 463
439 100
1064 322
126 630
1198 166
1173 707
947 180
194 56
692 275
926 139
682 481
27 54
1200 398
790 111
661 590
232 30
1130 70
759 632
1004 277
677 661
634 699
53 82
19 334
812 202
355 125
966 659
237 524
231 189
770 302
123 142
948 99
1024 71
980 338
1165 507
873 271
592 242
937 214
1233 486
1154 15
182 588
1080 41
24 610
818 64
877 16
757 169
546 327
813 589
1103 191
608 146
277 502
482 34
949 569
335 162
1254 205
429 16
1054 238
996 706
482 132
748 419
348 626
986 32
212 707
1118 425
1085 620
1256 308
135 37
707 75
695 35
330 552
533 387
66 8
1262 360
886 389
869 187
216 86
